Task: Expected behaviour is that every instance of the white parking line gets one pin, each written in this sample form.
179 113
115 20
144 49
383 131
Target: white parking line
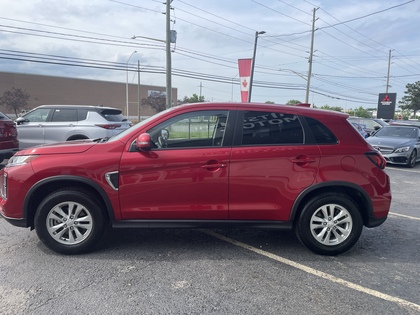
404 216
323 275
416 170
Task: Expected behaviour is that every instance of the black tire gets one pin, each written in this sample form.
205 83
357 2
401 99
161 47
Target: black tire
412 159
69 222
329 224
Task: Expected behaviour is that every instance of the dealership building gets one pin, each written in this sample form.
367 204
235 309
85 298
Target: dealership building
52 90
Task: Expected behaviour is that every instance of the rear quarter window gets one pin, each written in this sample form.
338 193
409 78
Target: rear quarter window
321 133
82 114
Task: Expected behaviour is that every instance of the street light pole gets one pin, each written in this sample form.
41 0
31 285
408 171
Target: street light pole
126 85
253 64
168 55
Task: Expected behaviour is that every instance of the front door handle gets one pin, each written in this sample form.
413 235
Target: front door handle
213 165
210 166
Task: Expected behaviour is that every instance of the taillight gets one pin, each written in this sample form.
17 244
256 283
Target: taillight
108 126
9 131
376 158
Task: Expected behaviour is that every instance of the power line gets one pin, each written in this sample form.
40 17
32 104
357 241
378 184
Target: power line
97 64
367 15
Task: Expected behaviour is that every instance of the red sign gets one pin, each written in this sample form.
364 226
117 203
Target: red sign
244 77
386 100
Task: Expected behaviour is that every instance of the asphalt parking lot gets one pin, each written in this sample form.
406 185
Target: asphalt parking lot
220 271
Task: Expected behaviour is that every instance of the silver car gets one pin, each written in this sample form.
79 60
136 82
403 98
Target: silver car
398 144
56 123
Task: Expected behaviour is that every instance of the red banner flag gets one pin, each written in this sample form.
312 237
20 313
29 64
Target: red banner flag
244 77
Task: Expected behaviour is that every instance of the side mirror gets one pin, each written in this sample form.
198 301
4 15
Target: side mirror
143 142
20 120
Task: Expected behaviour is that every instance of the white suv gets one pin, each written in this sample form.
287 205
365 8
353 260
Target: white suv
56 123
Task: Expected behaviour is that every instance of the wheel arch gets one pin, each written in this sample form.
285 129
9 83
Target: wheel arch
355 192
77 137
48 185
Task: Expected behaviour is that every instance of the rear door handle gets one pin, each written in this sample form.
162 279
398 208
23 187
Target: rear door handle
303 160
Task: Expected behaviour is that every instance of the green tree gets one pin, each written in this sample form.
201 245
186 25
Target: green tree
15 99
293 102
193 99
269 102
334 108
411 100
156 100
362 112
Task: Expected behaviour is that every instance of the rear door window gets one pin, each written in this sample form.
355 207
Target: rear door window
64 114
271 128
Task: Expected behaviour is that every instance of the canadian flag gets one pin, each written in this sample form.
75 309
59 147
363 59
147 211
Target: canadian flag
244 77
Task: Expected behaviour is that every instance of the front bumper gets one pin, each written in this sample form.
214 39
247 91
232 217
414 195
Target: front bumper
397 158
20 222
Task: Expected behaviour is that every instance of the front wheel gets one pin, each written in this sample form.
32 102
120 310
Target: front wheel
329 224
69 222
412 159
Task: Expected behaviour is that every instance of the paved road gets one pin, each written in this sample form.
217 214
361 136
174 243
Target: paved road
220 271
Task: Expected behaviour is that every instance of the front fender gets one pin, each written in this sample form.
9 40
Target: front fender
47 185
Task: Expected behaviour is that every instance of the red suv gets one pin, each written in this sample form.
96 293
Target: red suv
204 165
9 143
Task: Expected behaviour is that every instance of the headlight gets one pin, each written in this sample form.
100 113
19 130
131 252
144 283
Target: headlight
21 159
402 150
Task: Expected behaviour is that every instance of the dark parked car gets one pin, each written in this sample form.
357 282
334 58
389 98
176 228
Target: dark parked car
398 144
204 165
9 143
371 124
56 123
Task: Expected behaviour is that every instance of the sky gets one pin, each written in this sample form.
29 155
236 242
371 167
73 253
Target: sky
355 43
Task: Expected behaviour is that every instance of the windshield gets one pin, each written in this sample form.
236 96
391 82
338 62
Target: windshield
397 132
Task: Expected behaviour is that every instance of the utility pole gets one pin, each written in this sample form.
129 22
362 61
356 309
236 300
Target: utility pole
201 87
168 55
311 53
251 79
389 66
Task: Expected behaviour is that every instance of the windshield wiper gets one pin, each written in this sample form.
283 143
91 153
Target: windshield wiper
100 140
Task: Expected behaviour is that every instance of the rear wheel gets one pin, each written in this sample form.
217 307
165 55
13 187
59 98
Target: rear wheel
329 224
412 159
69 222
